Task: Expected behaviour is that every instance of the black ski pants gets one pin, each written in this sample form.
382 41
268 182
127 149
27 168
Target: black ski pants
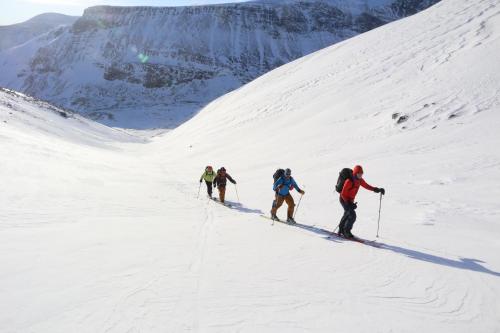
209 188
349 217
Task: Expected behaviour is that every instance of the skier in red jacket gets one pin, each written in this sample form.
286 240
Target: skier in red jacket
347 196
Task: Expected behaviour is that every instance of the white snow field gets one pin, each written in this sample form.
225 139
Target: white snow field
103 232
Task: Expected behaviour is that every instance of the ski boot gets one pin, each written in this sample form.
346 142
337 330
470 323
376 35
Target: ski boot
290 220
348 234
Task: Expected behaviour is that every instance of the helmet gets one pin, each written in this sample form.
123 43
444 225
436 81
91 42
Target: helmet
358 169
288 172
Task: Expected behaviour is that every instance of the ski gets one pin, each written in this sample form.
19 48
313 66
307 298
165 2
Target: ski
355 239
327 233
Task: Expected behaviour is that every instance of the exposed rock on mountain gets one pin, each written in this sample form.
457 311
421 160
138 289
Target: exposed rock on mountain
157 66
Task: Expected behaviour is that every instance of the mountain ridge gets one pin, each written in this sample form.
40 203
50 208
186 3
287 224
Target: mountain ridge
16 34
156 67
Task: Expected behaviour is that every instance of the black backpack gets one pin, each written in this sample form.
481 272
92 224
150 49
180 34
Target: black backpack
344 174
278 174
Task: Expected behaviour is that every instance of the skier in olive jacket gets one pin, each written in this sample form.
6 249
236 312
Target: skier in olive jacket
208 176
347 197
220 182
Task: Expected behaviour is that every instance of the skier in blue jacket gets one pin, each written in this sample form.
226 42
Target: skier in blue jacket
283 186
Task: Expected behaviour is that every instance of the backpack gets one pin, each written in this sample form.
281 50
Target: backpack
344 174
278 174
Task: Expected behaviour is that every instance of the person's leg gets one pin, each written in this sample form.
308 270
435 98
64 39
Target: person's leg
279 202
222 193
209 188
343 220
291 205
275 199
351 218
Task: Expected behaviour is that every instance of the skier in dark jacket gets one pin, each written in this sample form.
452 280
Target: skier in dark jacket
208 176
347 196
283 186
220 182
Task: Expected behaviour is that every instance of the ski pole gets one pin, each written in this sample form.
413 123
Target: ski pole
379 208
236 187
199 188
298 205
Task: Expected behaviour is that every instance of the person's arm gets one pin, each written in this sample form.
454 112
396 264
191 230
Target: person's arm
202 176
230 178
294 183
366 185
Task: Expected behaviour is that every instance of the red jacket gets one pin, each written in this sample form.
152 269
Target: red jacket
350 190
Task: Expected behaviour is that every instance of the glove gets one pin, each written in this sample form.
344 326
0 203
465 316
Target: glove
215 185
200 180
382 191
302 192
376 190
234 182
354 205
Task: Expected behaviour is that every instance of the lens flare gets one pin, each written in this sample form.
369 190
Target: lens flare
143 58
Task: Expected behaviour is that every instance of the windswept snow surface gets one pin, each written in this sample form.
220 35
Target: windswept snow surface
111 237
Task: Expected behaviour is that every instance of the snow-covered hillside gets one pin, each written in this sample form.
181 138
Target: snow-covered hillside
113 238
30 116
17 34
147 67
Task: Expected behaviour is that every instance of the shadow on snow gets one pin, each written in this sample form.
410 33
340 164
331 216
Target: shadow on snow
239 207
462 263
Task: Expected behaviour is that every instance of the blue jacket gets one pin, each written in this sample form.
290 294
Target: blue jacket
286 185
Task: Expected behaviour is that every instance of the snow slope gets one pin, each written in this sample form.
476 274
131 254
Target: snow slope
17 34
115 238
155 67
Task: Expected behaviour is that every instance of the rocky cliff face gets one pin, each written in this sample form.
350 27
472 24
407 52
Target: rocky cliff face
145 67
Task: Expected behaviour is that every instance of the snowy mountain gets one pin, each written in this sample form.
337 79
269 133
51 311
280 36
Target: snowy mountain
17 34
144 67
114 237
31 116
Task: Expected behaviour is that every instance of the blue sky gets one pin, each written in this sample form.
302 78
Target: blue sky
15 11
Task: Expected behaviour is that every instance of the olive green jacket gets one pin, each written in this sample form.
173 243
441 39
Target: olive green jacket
209 177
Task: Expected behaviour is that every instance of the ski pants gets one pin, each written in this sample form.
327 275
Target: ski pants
209 188
222 193
349 217
279 201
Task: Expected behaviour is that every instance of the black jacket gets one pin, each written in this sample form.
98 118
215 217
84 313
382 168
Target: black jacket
221 179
